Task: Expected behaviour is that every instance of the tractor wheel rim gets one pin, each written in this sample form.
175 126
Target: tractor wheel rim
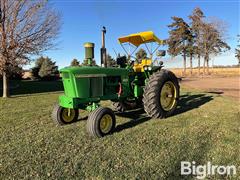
168 96
106 123
68 115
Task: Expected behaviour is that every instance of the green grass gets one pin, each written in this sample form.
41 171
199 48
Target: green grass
206 127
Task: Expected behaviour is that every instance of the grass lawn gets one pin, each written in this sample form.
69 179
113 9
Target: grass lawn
206 127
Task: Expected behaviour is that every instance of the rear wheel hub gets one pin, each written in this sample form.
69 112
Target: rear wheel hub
168 96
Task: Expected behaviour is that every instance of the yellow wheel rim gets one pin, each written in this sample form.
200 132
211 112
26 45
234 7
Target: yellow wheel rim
168 96
106 123
68 115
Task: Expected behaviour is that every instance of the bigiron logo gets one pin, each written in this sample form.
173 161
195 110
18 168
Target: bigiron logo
202 171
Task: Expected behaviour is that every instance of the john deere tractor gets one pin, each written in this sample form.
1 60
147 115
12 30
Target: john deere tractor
132 84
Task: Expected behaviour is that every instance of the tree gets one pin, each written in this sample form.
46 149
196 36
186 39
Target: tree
48 69
180 35
140 55
190 49
212 41
209 37
35 70
237 51
26 28
110 61
75 62
196 25
85 63
44 68
16 73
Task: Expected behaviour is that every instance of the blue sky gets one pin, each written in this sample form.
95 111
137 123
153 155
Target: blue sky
82 22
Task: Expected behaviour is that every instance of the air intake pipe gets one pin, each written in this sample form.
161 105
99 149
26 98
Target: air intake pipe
89 52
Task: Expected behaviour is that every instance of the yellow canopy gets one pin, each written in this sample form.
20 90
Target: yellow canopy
140 38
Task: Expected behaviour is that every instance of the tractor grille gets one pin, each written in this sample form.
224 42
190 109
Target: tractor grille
96 86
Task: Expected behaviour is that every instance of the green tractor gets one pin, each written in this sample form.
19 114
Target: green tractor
129 86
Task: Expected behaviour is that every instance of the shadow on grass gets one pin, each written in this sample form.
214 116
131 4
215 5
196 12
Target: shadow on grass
186 103
137 117
215 92
31 87
189 102
84 118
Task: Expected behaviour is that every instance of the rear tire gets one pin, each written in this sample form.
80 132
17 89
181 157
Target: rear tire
101 122
122 106
161 94
62 116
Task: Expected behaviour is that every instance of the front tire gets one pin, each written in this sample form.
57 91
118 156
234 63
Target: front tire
161 94
62 116
101 122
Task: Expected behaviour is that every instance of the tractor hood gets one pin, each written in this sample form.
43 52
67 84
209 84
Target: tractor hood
86 82
90 71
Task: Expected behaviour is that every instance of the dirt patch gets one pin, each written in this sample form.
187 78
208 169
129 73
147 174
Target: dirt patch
228 86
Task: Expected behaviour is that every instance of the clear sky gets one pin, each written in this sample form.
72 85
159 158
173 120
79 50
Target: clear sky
82 22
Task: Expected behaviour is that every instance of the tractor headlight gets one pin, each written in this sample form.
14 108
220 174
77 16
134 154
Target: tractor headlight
149 68
145 68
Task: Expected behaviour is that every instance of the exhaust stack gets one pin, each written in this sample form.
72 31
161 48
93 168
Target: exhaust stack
103 49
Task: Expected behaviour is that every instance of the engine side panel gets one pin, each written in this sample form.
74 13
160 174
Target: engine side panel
91 84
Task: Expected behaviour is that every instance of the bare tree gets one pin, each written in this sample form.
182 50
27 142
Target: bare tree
26 28
213 41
